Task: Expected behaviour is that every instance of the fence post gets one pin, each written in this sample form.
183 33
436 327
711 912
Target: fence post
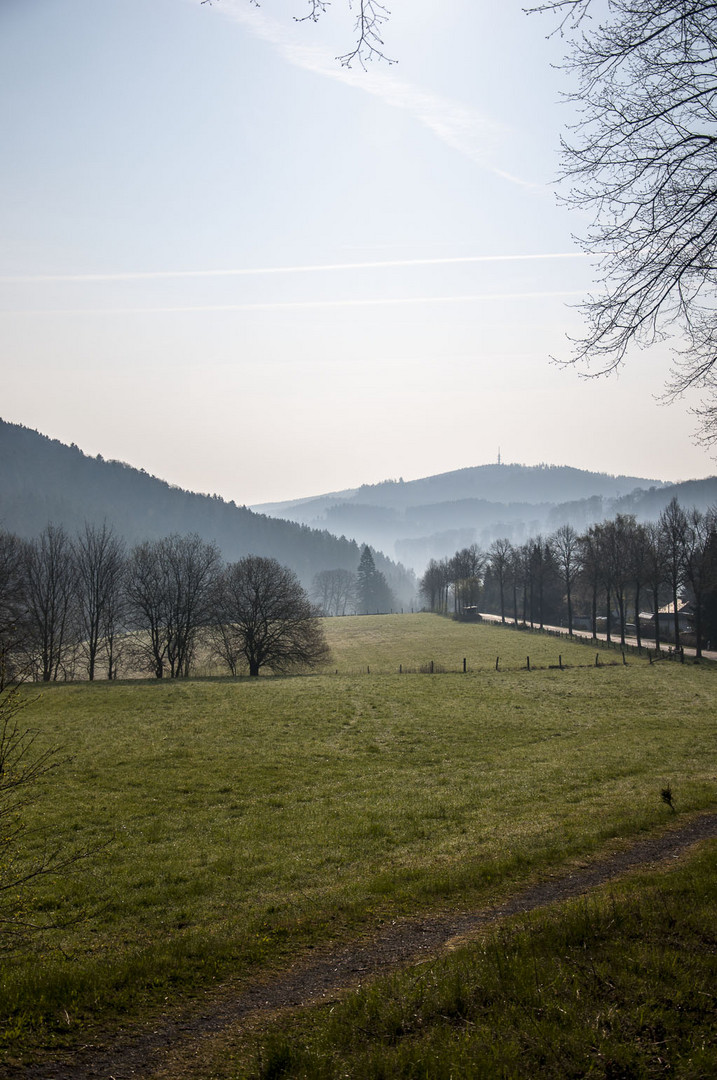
560 662
368 670
597 659
496 662
400 669
431 667
527 660
464 665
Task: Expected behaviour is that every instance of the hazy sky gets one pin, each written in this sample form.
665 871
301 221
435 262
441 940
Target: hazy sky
228 260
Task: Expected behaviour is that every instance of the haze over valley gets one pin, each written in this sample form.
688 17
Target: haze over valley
406 523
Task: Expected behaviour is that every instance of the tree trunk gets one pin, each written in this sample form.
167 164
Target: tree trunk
656 610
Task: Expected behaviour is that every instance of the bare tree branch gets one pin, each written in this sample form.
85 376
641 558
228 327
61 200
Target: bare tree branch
643 158
370 18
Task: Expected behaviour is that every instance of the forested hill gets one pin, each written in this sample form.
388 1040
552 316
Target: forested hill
43 480
433 517
531 484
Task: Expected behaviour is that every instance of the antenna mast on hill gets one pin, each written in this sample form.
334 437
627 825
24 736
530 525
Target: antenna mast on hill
499 455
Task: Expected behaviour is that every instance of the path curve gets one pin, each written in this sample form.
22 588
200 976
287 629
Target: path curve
403 942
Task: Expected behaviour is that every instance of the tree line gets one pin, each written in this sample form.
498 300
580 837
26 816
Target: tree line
619 574
43 480
343 592
90 606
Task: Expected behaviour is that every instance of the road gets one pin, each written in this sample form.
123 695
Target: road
647 643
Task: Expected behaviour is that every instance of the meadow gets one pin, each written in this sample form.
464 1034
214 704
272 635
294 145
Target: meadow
239 823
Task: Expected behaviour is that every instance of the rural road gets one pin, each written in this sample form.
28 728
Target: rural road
647 643
145 1051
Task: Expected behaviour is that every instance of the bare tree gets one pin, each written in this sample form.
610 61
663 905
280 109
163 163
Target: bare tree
516 563
591 574
21 766
523 575
433 585
642 158
698 553
499 554
656 571
334 591
673 525
24 763
13 608
370 18
147 605
639 569
268 619
192 565
100 566
565 545
465 571
169 587
49 572
616 555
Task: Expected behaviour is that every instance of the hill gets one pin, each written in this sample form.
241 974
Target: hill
44 480
432 517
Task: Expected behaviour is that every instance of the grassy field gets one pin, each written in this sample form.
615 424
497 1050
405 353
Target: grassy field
248 820
620 984
387 643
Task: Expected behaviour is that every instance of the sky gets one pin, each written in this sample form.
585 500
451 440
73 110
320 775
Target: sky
229 260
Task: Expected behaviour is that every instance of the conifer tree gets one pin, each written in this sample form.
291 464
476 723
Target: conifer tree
372 590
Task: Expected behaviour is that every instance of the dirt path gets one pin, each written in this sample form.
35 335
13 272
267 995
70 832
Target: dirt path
139 1053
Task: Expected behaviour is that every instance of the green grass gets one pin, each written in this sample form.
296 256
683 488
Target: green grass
617 985
384 643
250 819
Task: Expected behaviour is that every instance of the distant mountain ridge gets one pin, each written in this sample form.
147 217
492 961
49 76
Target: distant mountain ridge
43 480
416 520
498 483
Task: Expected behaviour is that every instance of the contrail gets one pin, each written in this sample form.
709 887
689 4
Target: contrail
299 304
162 275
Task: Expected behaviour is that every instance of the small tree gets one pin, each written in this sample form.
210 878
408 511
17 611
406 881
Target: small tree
266 618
